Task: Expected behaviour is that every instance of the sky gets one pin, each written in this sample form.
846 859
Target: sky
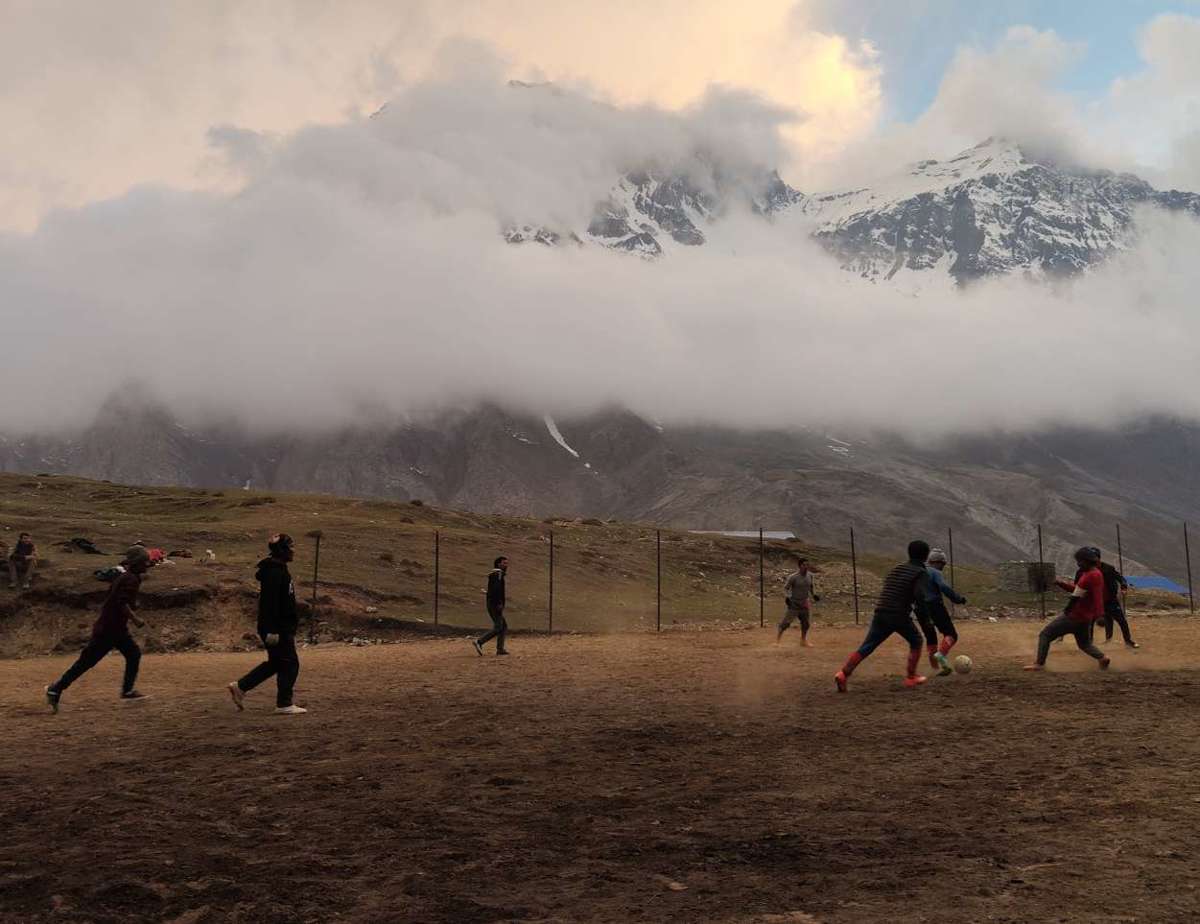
290 210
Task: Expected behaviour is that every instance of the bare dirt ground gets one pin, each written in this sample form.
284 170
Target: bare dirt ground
694 776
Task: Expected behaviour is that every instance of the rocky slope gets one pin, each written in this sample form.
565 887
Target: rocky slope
990 210
992 491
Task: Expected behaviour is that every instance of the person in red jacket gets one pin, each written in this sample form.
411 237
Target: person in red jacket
1085 607
112 631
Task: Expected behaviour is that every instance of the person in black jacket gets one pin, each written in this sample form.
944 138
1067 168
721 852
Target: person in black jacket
1114 586
277 622
906 588
495 608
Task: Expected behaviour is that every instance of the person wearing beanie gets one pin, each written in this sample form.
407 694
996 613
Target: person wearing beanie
111 631
938 617
277 624
1085 607
905 589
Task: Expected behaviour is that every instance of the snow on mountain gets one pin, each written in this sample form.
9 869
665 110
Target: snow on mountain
990 210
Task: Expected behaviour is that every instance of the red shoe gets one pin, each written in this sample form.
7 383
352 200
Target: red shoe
840 679
916 681
1104 662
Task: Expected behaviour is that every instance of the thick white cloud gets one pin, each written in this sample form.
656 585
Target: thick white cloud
96 98
362 265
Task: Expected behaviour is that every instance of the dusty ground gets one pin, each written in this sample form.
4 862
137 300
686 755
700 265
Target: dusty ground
699 776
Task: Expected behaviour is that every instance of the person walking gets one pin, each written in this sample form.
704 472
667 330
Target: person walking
495 609
1085 607
21 562
905 589
277 624
937 618
797 592
111 631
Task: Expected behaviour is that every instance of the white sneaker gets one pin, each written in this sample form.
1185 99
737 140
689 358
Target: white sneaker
238 694
290 710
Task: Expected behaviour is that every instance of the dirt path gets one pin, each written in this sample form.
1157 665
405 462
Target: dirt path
704 776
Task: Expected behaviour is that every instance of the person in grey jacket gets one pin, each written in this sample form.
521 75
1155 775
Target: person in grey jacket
798 591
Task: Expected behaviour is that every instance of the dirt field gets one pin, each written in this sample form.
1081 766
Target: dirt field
698 776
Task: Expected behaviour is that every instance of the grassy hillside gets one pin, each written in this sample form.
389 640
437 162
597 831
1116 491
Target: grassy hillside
377 567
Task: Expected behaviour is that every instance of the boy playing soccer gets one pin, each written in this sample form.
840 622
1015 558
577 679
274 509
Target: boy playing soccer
938 617
796 593
1083 609
905 588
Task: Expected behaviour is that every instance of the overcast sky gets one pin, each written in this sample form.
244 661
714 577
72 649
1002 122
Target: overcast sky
196 196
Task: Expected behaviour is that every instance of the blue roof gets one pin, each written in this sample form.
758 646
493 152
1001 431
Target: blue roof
1154 582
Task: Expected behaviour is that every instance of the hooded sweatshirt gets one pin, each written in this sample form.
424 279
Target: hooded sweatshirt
276 598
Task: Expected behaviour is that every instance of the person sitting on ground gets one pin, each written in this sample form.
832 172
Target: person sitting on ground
22 562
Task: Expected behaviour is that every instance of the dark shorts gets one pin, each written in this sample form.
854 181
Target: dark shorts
794 613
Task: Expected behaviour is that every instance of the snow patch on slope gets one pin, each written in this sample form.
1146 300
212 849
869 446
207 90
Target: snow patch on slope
552 427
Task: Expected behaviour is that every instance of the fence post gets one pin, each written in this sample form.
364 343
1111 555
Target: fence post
1041 573
658 567
1187 553
953 580
312 617
854 570
550 613
437 575
1121 565
762 619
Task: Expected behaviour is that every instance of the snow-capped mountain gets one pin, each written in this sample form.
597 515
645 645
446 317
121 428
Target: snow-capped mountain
990 210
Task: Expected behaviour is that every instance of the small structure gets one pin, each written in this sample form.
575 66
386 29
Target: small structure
747 533
1025 576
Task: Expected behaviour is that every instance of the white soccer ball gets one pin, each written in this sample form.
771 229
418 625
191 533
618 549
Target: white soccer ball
963 664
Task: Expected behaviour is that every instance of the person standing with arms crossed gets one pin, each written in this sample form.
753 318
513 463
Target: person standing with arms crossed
112 631
796 594
277 623
495 609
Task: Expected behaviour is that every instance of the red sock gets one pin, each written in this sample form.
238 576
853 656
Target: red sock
914 655
933 650
852 662
947 643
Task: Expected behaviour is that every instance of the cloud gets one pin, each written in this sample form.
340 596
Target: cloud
95 99
361 264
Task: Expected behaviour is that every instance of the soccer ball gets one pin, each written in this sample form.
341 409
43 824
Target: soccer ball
962 664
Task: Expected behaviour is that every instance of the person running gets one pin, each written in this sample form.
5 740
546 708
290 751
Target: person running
1085 607
797 593
22 562
277 624
937 617
1115 587
495 609
111 631
905 588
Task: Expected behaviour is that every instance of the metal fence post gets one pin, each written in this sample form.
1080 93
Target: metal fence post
762 618
1187 554
1121 565
854 571
658 566
953 580
437 575
550 613
1041 573
312 616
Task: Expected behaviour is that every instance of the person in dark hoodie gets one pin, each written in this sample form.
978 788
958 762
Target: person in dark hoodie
111 631
495 609
1115 586
277 623
905 589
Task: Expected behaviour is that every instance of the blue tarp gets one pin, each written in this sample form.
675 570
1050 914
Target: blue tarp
1154 582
